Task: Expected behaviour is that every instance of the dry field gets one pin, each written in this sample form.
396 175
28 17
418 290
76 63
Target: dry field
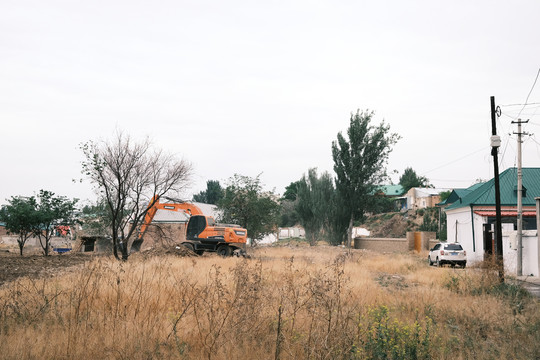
283 303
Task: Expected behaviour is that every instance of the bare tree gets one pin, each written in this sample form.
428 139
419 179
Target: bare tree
131 177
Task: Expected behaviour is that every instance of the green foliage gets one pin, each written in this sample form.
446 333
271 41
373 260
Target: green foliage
315 195
20 218
359 162
445 195
51 211
212 195
245 203
443 233
515 296
288 214
381 204
95 219
338 220
392 339
291 191
410 180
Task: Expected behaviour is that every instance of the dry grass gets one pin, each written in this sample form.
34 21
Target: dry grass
286 303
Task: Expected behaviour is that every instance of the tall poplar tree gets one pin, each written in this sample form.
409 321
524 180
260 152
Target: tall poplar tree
360 163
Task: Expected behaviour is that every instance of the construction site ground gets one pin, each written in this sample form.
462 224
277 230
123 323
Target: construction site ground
34 265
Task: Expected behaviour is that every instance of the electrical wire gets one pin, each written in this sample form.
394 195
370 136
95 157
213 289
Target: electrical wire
532 88
454 161
508 105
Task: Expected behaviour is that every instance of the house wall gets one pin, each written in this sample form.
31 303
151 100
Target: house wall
420 202
530 252
291 232
460 229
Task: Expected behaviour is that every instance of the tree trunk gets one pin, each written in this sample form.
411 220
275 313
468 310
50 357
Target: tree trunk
124 248
115 248
21 246
349 232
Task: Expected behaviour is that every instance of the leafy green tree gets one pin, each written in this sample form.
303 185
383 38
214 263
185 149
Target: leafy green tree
51 211
131 177
315 196
288 213
291 191
20 218
379 204
246 204
338 220
410 179
212 195
359 163
95 219
445 195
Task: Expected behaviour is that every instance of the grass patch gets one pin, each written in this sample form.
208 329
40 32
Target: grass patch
285 302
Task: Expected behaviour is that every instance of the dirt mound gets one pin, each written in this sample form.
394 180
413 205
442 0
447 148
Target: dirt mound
14 266
395 227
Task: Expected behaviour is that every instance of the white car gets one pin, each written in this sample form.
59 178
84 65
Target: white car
447 253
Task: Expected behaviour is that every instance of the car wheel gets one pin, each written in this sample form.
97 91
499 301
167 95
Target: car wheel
438 262
429 261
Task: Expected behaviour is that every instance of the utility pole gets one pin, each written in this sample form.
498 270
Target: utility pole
519 200
495 144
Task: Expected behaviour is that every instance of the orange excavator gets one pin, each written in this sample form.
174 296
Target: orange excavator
202 232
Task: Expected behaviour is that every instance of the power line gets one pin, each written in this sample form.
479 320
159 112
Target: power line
527 99
519 104
454 161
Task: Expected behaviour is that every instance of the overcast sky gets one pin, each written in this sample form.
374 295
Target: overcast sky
254 87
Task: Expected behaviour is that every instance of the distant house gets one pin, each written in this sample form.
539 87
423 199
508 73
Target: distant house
3 230
392 191
421 198
458 194
389 190
471 217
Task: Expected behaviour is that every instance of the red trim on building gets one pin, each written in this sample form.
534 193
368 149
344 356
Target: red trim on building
504 213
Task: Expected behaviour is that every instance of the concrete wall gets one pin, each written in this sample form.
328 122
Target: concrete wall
382 244
291 232
530 252
427 239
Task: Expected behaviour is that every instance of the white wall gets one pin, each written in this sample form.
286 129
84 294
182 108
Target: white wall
530 252
464 234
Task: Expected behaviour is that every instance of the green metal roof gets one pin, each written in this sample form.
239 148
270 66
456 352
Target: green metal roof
484 194
457 194
390 190
475 186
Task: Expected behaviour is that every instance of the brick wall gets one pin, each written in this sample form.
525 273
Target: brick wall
164 234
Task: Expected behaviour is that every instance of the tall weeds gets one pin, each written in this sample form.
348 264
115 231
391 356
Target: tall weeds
305 303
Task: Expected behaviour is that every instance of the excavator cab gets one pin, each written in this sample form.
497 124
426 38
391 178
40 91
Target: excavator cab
196 225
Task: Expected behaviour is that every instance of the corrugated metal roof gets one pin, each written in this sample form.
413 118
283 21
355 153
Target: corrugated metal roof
425 192
167 216
485 193
391 190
